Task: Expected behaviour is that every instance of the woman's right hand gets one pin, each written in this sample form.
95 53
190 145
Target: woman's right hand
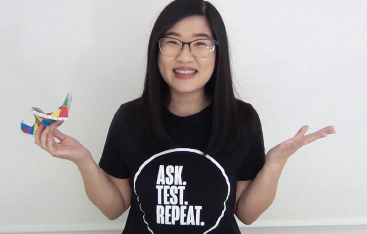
68 147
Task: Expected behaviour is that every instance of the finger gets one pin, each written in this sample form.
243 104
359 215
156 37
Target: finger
54 148
59 135
292 144
329 130
51 144
51 128
319 134
298 143
50 140
37 135
59 122
302 131
43 138
325 131
55 124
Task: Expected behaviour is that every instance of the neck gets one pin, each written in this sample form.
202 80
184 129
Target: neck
185 104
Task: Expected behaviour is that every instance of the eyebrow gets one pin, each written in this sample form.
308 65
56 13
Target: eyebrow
194 35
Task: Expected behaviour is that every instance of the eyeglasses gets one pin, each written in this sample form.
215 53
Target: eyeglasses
200 48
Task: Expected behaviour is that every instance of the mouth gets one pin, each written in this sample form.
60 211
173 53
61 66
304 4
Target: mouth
185 71
185 74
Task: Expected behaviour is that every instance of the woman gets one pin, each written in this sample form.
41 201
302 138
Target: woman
186 155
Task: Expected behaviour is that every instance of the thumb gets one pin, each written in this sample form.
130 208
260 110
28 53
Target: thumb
302 131
59 122
59 135
54 125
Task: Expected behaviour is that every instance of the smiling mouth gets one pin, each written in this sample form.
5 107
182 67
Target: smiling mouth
185 72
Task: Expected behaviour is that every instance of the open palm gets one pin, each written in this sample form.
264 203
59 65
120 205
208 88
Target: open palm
278 155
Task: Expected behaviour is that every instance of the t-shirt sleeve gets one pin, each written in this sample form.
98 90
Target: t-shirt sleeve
255 157
112 160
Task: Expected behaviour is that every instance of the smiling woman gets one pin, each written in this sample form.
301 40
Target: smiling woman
187 155
187 69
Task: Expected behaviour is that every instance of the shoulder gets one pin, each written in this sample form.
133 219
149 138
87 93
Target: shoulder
246 112
244 105
129 108
127 111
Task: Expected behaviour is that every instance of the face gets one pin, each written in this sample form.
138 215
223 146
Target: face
177 70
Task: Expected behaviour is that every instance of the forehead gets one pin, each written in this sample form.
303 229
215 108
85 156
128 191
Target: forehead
189 27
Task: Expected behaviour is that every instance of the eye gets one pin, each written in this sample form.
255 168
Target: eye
203 43
172 42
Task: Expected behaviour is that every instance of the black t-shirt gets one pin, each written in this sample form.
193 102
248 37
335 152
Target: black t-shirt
180 190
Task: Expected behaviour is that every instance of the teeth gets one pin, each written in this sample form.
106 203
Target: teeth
185 72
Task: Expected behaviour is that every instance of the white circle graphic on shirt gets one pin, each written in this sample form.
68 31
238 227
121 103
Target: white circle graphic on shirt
173 206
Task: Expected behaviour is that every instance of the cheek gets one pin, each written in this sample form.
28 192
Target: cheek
160 65
209 66
213 61
213 64
163 66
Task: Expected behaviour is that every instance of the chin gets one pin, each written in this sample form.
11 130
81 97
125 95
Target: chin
187 90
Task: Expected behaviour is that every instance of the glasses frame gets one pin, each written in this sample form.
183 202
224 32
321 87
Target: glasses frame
189 44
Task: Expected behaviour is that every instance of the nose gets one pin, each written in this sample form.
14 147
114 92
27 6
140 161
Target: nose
185 55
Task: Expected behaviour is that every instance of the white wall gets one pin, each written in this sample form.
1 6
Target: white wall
298 62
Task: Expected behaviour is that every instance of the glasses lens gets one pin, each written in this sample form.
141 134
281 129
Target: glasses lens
202 48
170 46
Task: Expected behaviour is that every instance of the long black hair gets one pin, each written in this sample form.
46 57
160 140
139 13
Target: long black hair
226 129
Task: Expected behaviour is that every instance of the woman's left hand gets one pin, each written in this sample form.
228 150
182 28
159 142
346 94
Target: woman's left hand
278 156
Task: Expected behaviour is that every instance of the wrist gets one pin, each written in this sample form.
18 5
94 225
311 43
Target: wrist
274 167
84 161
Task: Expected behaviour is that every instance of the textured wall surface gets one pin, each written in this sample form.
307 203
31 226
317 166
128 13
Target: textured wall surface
298 62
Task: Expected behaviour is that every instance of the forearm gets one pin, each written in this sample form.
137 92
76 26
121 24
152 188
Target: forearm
101 191
259 195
